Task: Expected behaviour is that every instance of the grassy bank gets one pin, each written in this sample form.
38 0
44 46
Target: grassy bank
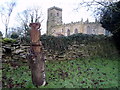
79 73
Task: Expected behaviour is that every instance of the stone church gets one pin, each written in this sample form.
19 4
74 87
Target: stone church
56 27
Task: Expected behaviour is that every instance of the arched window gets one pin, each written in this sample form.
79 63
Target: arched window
89 31
76 31
94 31
50 14
62 31
68 32
57 14
106 32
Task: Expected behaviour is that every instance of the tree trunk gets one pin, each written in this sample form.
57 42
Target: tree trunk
36 56
6 31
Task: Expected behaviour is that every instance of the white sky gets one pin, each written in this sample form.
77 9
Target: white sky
68 6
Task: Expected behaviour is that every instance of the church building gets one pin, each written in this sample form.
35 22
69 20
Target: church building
56 27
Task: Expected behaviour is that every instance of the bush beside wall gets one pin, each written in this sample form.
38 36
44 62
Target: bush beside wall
78 46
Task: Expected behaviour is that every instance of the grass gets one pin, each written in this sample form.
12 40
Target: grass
79 73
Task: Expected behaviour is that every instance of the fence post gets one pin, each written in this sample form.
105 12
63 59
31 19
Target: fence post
36 56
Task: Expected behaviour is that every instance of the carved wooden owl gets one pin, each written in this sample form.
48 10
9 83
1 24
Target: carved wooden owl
35 26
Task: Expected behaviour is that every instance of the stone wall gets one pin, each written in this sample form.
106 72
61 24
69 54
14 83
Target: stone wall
14 52
83 51
78 46
61 48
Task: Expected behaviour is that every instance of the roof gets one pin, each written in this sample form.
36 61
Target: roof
54 7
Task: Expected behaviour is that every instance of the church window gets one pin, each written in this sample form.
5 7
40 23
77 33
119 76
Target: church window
51 14
89 31
76 31
62 30
107 32
94 31
68 32
57 14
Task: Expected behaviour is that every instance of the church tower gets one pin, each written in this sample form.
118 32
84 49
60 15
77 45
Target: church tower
54 18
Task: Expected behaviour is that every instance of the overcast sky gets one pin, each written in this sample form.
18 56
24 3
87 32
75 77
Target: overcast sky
68 7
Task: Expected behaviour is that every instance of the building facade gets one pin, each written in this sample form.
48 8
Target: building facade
56 27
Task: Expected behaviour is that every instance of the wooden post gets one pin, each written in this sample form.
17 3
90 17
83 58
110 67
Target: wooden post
36 56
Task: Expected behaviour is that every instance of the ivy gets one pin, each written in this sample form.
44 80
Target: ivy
61 43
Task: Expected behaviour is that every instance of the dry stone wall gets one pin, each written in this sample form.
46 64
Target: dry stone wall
14 52
64 49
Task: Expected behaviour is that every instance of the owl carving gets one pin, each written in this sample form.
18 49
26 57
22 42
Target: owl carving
35 32
35 26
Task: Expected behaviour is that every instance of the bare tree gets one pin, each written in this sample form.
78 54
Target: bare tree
99 7
6 11
30 15
96 6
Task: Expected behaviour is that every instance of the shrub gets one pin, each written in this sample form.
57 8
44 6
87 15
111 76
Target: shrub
61 43
14 36
8 40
